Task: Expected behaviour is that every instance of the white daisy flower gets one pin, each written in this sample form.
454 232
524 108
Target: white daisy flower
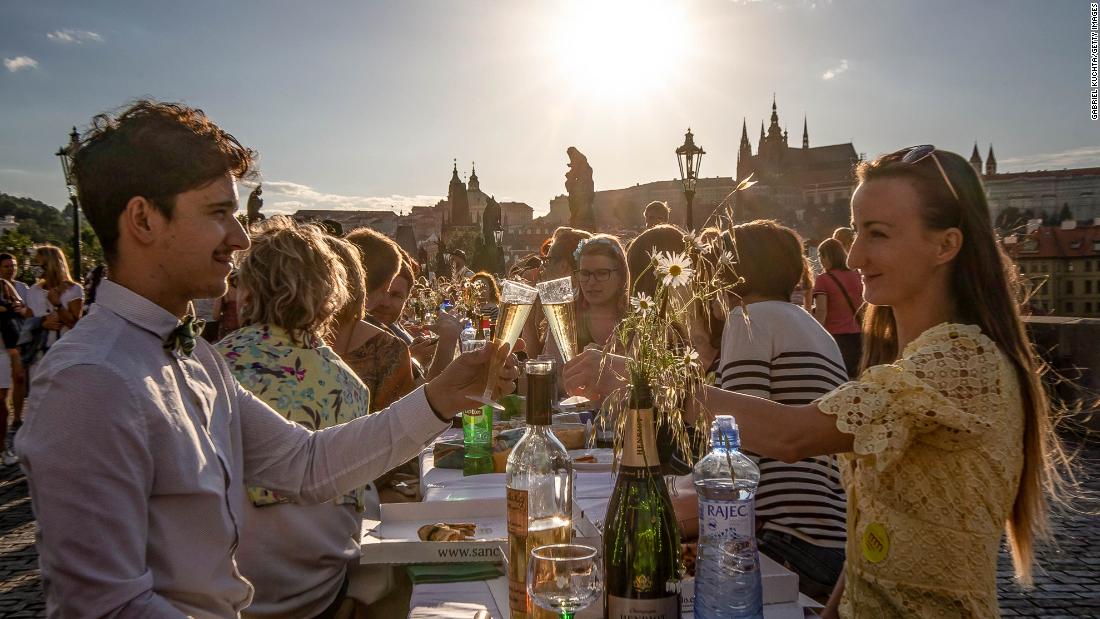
642 303
674 269
726 258
691 357
701 246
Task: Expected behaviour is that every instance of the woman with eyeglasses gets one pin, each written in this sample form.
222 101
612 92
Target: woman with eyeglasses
947 439
602 276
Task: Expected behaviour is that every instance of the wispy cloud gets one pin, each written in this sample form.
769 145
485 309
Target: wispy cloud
287 197
835 71
19 63
1086 156
77 37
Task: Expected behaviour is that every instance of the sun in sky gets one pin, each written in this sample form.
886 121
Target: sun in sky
617 48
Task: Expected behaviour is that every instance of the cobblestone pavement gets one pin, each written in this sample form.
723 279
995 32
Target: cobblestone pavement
1067 583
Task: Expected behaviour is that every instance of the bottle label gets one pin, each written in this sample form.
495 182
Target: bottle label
720 519
517 536
639 439
631 608
517 512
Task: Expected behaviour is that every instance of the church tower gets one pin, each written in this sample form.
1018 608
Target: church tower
760 144
744 153
475 184
805 133
459 201
990 163
976 160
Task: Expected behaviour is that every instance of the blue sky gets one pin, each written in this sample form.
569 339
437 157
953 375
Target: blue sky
362 104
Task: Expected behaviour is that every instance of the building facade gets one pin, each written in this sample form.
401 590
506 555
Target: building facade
1050 195
1061 265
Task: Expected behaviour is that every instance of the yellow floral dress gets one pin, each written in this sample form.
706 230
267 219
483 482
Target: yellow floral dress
937 458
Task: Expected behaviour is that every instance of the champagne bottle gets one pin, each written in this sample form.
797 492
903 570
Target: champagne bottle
539 490
641 541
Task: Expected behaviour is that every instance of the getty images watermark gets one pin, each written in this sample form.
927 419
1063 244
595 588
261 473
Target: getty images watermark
1094 105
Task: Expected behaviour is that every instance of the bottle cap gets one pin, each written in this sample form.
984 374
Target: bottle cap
724 433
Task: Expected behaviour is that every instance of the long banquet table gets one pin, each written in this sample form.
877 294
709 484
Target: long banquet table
464 600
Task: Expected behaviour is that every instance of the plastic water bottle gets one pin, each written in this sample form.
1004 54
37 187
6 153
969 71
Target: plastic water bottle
468 334
727 570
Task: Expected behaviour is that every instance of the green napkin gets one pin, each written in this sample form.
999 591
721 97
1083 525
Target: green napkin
453 572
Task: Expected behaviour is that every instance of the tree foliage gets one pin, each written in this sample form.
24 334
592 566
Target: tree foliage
39 222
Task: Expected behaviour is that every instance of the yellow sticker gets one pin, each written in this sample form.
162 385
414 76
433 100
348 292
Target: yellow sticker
875 543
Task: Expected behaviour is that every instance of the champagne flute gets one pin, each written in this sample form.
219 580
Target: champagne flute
557 304
516 301
563 578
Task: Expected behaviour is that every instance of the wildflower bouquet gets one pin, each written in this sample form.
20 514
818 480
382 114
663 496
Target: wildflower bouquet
655 334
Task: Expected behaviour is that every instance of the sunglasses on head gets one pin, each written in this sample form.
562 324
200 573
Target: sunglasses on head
916 154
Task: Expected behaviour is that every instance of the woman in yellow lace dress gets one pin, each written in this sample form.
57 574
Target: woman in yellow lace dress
946 440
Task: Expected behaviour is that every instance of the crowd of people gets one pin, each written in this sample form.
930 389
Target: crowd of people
890 396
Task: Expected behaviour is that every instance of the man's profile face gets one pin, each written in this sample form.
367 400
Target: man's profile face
7 269
196 247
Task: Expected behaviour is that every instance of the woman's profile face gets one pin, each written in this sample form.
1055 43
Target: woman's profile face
594 268
895 253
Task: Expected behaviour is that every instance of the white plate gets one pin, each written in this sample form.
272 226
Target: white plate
604 459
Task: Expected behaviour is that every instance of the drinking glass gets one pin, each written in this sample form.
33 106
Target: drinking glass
563 578
516 301
557 304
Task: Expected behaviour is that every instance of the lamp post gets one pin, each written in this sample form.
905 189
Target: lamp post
498 237
65 153
689 157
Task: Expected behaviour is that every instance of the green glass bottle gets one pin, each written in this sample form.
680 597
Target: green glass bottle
641 541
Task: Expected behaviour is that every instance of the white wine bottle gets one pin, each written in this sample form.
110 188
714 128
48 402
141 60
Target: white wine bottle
539 490
641 541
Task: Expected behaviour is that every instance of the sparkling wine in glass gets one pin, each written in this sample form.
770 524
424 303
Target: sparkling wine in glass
557 303
516 301
563 578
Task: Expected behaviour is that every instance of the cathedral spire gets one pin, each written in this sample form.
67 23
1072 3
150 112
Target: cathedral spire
475 184
805 133
745 145
990 163
744 152
976 159
775 132
459 202
760 145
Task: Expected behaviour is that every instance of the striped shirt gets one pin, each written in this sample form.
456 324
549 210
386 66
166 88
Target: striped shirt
776 350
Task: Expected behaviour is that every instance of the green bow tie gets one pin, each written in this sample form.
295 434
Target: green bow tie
181 341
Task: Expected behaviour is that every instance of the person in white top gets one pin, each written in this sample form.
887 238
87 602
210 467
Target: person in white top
56 297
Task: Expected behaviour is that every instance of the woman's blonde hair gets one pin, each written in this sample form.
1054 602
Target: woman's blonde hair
352 259
986 289
56 271
293 278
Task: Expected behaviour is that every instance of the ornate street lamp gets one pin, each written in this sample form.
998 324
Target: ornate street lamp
65 153
689 157
498 237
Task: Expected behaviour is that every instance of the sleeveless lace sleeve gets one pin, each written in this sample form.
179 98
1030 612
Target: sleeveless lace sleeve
929 395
